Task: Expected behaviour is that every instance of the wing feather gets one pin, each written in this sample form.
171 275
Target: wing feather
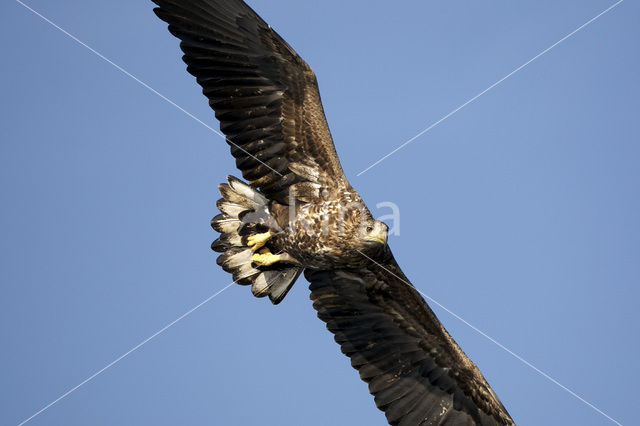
416 372
268 104
264 95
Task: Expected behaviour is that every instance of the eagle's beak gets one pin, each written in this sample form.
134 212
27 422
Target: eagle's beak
379 235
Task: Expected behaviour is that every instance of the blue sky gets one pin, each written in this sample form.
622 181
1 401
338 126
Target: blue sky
519 213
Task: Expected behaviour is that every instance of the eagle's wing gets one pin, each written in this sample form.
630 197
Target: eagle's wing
265 96
415 370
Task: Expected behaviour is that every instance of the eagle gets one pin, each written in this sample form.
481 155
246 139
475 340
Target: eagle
297 213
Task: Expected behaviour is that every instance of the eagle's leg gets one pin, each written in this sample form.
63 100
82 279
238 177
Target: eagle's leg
258 240
265 258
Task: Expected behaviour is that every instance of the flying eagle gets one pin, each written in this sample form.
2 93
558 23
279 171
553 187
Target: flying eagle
299 213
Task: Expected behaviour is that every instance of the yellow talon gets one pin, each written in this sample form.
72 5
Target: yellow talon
265 258
259 240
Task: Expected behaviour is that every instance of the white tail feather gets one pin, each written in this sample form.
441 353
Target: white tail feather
241 201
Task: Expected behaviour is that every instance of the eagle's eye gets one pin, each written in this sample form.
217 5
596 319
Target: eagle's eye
369 229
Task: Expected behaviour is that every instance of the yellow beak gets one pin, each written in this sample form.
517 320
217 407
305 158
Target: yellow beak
378 235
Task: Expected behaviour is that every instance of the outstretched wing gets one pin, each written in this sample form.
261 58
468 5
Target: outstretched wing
415 370
265 96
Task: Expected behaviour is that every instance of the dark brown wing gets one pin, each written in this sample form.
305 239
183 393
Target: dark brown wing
265 96
417 373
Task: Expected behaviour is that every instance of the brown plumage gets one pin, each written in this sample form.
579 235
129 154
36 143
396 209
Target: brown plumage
299 213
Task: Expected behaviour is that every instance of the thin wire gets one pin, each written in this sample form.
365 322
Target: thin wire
489 88
130 351
500 345
88 379
142 83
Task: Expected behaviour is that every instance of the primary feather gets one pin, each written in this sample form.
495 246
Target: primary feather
302 213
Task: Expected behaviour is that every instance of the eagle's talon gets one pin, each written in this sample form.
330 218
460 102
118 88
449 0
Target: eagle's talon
258 240
265 258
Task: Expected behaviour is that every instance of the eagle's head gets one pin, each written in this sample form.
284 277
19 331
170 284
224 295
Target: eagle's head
365 234
375 233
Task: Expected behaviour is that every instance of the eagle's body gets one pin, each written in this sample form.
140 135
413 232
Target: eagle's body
324 234
299 213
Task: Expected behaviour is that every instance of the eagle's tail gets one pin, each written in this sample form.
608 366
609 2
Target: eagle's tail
245 213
